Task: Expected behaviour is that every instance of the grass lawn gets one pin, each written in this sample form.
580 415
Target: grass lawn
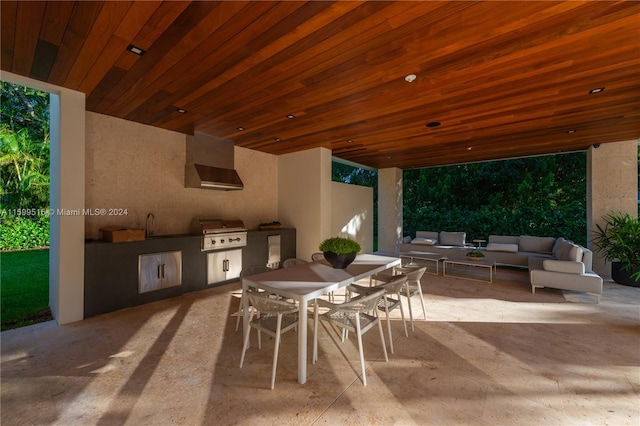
24 286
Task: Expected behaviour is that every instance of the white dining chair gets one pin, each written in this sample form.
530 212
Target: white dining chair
354 316
288 263
249 270
413 288
391 299
274 317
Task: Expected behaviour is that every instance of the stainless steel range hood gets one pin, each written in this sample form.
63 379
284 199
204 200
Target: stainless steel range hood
209 177
210 164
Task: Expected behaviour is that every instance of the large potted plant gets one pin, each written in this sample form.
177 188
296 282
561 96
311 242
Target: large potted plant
618 240
340 251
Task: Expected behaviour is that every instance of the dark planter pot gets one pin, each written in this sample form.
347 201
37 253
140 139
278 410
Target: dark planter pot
339 261
622 276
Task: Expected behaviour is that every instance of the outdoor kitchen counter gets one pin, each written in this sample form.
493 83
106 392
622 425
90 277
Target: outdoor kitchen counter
111 269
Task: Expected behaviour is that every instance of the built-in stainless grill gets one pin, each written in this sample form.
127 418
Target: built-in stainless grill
223 239
220 234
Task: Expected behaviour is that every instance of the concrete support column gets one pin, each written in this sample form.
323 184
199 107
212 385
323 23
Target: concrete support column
612 186
389 209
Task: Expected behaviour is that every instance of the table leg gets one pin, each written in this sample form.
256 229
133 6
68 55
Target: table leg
302 342
245 312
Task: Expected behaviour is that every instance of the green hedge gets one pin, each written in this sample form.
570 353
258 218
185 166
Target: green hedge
19 233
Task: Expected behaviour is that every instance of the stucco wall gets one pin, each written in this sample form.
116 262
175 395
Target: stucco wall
305 197
352 213
319 208
140 168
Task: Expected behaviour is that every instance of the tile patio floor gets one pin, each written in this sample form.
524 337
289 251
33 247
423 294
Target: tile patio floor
488 354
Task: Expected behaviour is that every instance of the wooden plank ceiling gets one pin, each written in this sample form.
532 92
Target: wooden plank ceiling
504 79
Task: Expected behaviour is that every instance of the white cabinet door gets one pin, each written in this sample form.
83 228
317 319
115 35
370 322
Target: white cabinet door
149 274
171 269
216 267
234 264
223 265
159 270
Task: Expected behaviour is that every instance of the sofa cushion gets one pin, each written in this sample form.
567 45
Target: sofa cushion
452 238
557 245
510 248
424 241
568 267
536 244
570 251
503 239
427 234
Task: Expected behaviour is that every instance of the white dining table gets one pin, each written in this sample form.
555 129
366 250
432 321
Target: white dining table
306 282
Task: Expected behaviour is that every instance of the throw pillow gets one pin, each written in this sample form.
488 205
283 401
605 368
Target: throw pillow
427 234
575 253
423 241
557 245
452 238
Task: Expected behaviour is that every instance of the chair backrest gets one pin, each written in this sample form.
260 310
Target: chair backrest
268 305
293 262
416 274
362 303
396 285
317 256
254 269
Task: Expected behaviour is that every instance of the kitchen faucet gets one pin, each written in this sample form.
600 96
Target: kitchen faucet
151 220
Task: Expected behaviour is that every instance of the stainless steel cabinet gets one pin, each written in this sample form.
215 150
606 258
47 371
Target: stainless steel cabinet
223 265
159 270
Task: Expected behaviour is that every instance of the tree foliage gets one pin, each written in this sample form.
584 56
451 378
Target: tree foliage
354 175
24 167
540 196
24 147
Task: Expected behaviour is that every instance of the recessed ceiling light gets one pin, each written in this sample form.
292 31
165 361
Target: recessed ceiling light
389 157
570 131
136 50
433 124
410 78
181 111
278 139
469 148
241 128
596 90
291 116
350 141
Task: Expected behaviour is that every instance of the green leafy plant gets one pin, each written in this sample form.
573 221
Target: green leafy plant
619 240
340 245
19 233
475 253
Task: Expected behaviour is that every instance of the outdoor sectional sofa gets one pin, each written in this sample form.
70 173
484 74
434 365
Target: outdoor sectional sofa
552 262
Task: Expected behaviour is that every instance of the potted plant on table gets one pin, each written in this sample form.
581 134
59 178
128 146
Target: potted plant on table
618 240
340 251
475 254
